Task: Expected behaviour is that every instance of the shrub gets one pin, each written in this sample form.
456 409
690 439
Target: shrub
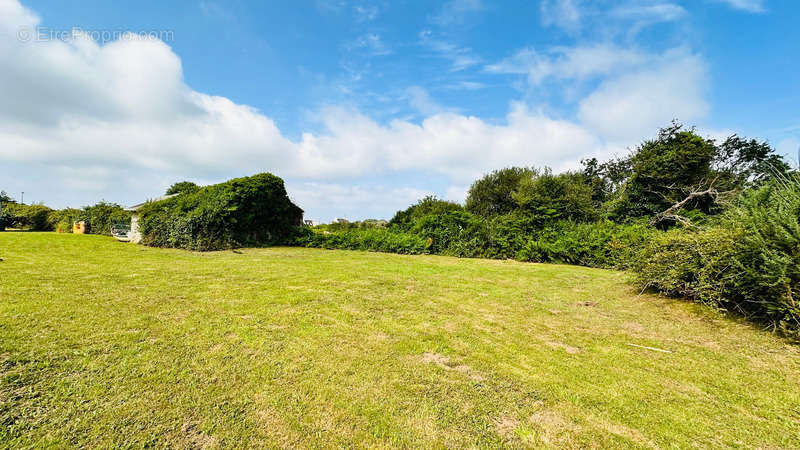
33 217
243 211
99 217
455 233
62 219
597 244
566 195
493 194
405 219
375 239
748 263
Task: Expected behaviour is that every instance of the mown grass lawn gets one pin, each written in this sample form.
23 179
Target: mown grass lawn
111 344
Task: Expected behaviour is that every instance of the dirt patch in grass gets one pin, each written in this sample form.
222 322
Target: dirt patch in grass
552 427
567 348
445 363
505 426
196 438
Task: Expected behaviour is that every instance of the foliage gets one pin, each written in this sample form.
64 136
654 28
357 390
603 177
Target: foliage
182 187
493 194
565 196
748 263
38 217
100 216
62 219
599 244
406 218
34 217
666 170
242 211
374 239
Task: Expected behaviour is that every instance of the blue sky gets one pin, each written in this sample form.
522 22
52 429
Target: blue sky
363 107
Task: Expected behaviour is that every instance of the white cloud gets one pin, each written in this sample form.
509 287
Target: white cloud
576 16
565 14
628 105
565 63
752 6
420 100
456 11
366 13
117 121
457 193
371 44
460 57
790 147
642 15
352 202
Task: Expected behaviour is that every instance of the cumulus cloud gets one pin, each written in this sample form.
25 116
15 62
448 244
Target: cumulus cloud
353 202
626 106
117 121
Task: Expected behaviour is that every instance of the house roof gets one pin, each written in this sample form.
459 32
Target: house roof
157 199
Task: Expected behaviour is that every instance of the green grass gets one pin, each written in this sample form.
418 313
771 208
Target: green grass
110 344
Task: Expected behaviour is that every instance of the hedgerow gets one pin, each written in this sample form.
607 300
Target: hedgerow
376 239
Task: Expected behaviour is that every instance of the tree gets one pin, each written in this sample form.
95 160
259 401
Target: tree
4 197
493 194
182 187
406 218
565 195
742 163
681 171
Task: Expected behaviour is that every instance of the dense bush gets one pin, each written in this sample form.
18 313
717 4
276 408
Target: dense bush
376 239
243 211
563 196
62 219
405 219
37 217
748 263
33 217
493 194
597 244
101 216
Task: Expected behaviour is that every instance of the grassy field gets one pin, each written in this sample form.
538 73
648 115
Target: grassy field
111 344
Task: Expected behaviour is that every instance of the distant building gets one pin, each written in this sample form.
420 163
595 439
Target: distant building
311 222
133 234
341 220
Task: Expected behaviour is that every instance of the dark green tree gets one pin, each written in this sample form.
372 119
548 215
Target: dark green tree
493 194
565 195
182 187
406 218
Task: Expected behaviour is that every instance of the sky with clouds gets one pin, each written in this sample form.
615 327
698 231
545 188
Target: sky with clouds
364 107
